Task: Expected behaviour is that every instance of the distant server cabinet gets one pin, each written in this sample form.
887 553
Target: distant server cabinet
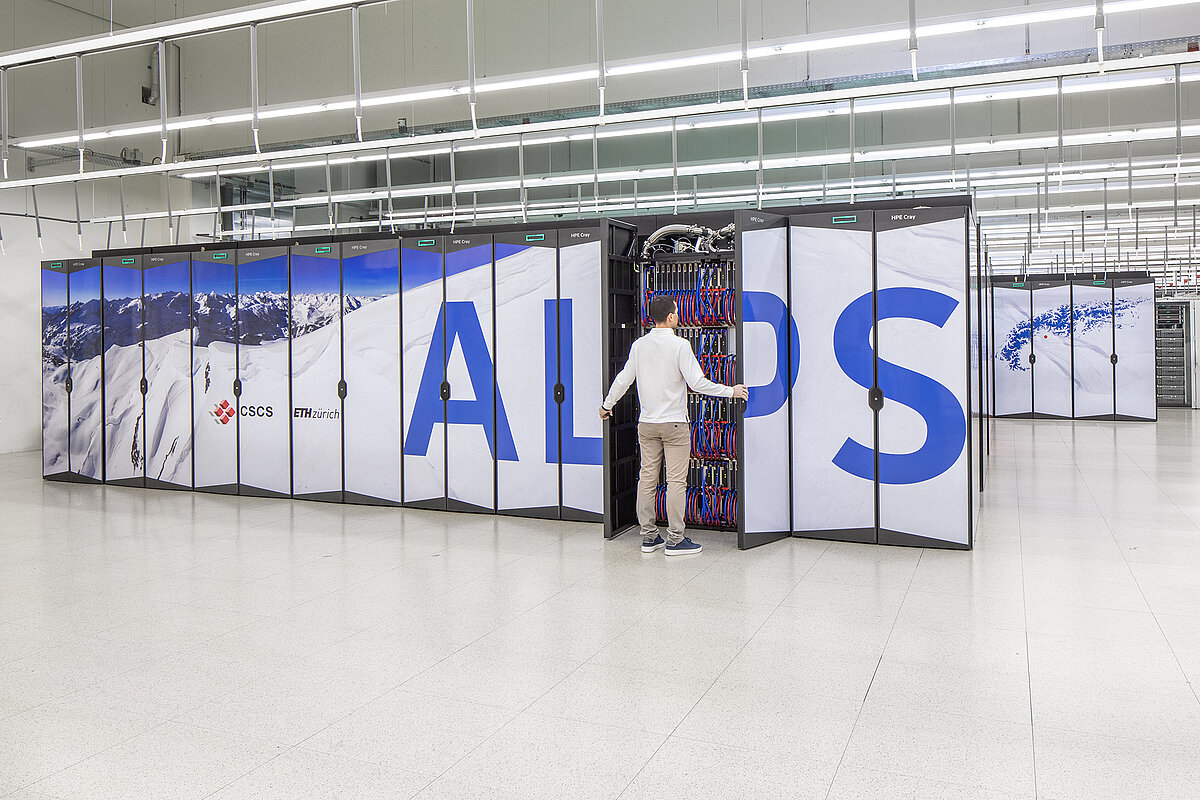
72 371
1074 346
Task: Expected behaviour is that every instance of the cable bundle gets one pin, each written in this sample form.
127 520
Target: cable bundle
698 308
703 505
719 369
714 440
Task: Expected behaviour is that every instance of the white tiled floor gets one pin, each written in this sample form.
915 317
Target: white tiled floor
181 645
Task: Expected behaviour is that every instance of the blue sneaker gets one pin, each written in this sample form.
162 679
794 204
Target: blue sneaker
650 545
685 548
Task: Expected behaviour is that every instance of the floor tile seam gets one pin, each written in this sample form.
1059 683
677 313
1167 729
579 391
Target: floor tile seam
1141 592
300 745
874 673
1028 657
1162 631
74 764
257 618
530 705
704 694
1192 748
329 593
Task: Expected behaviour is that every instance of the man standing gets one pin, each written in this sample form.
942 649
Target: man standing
664 367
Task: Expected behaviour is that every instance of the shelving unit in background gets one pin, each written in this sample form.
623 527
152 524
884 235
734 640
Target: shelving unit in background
1171 347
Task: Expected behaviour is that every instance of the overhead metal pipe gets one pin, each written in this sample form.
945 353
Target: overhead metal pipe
387 168
79 218
356 66
162 97
121 196
170 221
79 106
254 86
601 69
37 219
4 119
912 36
745 62
471 98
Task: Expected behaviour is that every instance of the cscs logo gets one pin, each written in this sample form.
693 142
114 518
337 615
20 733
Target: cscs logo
257 411
222 412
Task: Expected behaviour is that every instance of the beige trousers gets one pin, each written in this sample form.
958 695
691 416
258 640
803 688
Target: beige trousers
672 441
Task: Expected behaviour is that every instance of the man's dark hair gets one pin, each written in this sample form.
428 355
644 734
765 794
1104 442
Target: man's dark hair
660 307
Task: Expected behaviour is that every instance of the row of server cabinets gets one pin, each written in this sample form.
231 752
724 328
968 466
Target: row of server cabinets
436 372
1075 346
859 336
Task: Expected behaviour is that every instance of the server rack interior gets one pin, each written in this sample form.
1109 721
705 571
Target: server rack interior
1171 355
702 285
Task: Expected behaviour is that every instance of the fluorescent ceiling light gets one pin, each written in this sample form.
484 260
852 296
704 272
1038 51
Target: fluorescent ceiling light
188 26
579 73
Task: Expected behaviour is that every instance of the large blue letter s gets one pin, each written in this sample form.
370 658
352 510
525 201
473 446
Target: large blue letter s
945 420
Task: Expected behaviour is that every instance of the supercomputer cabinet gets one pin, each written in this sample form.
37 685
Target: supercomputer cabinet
1112 324
317 367
371 371
263 372
167 357
832 412
124 376
215 418
451 433
72 371
527 371
1033 361
547 307
883 388
1012 347
1051 347
1133 335
344 325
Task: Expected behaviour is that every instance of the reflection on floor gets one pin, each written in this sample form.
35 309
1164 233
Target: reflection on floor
179 645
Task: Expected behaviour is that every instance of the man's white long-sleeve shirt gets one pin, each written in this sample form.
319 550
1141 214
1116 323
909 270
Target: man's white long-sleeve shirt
664 367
